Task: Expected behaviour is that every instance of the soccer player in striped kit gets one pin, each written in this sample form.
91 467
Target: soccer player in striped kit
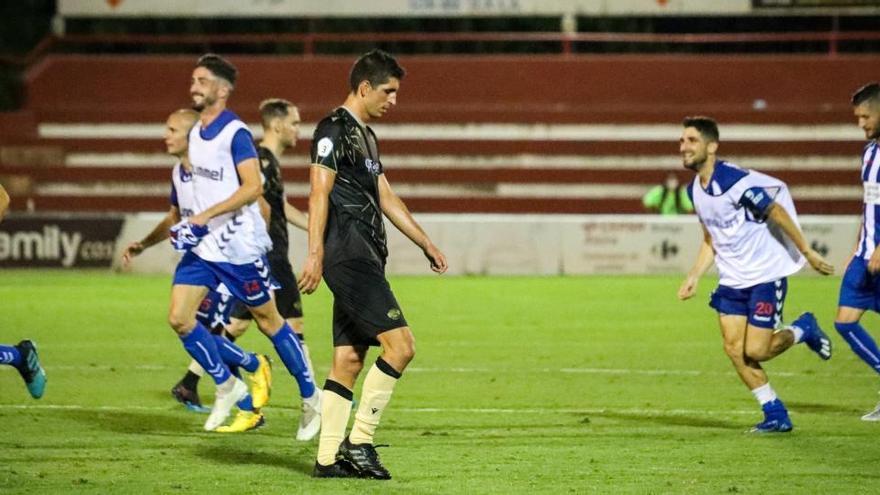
860 288
750 231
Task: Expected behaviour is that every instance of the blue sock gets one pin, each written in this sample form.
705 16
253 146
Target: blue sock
234 355
246 404
291 353
860 342
9 355
199 344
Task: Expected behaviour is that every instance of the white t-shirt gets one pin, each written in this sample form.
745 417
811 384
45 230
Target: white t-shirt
748 251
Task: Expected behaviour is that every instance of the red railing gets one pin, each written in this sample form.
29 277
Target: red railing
566 40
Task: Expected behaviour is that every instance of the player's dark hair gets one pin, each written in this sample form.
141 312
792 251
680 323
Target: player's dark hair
274 108
376 66
707 127
219 66
868 92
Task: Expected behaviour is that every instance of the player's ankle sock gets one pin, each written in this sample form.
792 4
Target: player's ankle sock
200 345
797 333
291 354
375 394
861 343
9 355
764 393
335 409
190 380
196 369
234 355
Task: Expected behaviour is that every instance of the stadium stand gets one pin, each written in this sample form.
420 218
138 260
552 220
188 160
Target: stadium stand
511 134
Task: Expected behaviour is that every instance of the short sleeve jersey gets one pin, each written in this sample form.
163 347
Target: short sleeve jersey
273 193
733 208
355 229
869 234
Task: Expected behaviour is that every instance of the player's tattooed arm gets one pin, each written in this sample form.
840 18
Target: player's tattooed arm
779 217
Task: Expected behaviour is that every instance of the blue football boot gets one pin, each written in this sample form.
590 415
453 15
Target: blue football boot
814 337
776 419
33 374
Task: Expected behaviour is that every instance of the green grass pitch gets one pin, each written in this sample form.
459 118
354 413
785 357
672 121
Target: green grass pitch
520 385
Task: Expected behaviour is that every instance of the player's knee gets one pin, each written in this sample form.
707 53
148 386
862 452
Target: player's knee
181 324
757 353
401 350
237 327
734 350
349 363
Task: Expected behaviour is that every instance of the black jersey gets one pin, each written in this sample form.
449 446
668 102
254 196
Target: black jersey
355 229
273 193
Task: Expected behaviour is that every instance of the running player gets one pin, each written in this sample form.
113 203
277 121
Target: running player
214 310
225 238
860 289
750 230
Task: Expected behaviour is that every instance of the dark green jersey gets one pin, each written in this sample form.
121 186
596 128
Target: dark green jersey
355 229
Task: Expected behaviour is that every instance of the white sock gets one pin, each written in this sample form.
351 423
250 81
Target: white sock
314 399
196 369
764 393
798 334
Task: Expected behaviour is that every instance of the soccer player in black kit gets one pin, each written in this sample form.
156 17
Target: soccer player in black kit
347 246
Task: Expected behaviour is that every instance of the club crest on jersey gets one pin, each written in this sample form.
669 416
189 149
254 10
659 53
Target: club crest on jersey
372 166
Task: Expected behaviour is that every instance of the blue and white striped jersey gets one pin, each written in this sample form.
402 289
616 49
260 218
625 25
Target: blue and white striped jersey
869 234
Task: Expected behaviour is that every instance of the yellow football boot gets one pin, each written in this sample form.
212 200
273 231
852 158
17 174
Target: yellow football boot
244 421
261 382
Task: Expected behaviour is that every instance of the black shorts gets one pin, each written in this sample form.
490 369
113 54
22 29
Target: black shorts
287 298
363 304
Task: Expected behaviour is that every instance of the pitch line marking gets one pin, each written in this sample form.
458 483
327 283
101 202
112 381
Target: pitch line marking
415 410
584 371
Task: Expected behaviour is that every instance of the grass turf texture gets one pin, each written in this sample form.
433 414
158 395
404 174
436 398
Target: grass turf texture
520 385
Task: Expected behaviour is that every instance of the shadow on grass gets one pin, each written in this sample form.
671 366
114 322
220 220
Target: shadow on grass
689 421
297 459
811 407
135 422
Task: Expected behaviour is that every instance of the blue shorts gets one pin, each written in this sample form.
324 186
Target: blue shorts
762 303
214 311
859 289
249 283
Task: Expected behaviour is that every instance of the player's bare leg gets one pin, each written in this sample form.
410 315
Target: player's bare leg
734 330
